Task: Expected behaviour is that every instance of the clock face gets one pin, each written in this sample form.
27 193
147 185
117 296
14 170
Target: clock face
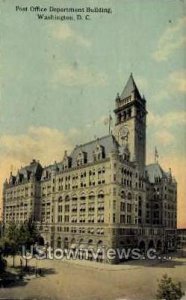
124 132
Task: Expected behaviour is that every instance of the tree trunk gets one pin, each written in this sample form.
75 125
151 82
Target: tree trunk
26 265
13 260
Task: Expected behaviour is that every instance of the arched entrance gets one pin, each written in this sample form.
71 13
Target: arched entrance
58 242
142 247
66 243
82 249
159 245
151 244
73 244
100 253
90 249
41 241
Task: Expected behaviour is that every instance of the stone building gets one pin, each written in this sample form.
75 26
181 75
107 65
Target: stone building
102 194
181 238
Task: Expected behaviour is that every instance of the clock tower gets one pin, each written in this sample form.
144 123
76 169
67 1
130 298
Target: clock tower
130 123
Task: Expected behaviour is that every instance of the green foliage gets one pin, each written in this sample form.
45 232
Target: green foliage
3 262
169 290
17 235
3 265
28 234
12 232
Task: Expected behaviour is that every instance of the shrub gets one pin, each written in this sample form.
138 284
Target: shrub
169 290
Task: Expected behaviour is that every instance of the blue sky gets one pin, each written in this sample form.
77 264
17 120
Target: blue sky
60 79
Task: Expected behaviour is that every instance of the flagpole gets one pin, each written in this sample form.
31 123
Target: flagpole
110 120
156 155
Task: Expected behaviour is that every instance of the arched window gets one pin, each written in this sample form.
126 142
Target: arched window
67 198
66 243
92 196
129 113
99 171
81 241
60 199
74 197
83 196
101 194
100 243
140 200
129 196
73 241
119 117
123 195
59 242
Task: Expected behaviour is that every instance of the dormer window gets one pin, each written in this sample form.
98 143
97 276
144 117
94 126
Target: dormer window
99 153
81 158
66 161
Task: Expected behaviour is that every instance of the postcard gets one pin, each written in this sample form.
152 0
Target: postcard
92 149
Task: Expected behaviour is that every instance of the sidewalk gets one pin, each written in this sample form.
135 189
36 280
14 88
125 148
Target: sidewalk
130 265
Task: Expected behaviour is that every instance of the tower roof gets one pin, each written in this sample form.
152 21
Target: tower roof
129 88
155 171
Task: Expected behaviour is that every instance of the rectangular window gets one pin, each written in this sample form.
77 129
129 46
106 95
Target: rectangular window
67 208
59 218
114 218
114 204
66 218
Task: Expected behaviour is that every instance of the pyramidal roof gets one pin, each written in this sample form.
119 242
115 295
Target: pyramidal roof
155 171
129 88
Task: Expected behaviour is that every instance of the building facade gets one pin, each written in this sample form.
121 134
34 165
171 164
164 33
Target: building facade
181 235
102 194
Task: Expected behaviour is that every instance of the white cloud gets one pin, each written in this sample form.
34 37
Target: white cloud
172 39
44 143
167 120
75 76
164 129
177 81
172 86
94 123
65 32
164 137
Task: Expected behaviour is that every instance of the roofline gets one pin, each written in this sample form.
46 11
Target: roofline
97 139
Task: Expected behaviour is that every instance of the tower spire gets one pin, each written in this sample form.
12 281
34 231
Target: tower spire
130 88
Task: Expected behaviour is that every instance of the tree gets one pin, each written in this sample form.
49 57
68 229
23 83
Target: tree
3 262
16 236
10 241
28 235
169 290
